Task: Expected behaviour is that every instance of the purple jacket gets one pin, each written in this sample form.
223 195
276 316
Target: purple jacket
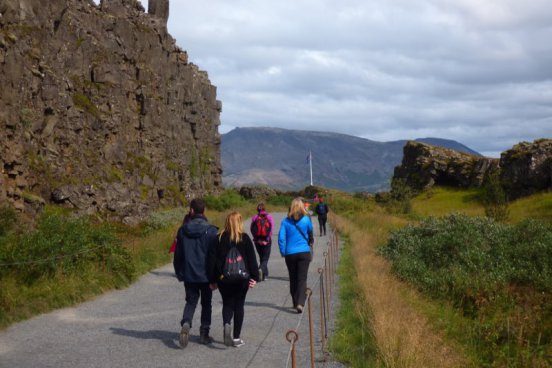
269 217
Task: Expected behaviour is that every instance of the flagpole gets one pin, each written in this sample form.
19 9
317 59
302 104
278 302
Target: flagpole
310 164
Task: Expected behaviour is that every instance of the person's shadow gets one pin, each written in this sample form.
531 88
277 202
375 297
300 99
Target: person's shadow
273 306
169 338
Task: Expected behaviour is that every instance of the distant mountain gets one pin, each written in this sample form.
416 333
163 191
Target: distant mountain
278 158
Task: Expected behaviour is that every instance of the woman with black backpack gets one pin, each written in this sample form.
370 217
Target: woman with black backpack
295 240
233 268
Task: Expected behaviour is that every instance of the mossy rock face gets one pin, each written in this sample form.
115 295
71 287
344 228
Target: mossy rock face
424 165
96 121
526 168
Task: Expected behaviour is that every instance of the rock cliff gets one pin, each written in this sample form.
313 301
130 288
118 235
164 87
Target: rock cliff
100 110
526 168
424 165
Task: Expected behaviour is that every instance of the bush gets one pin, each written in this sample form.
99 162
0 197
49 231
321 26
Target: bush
494 197
493 272
399 199
279 200
162 220
63 244
7 220
230 198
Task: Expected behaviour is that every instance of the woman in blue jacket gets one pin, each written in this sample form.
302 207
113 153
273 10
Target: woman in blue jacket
294 239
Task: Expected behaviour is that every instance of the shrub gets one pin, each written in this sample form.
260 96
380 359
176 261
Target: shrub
399 199
494 197
230 198
279 200
493 272
162 220
7 220
63 244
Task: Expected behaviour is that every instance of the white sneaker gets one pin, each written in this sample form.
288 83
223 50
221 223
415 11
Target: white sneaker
238 342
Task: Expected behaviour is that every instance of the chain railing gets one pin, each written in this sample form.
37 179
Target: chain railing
326 284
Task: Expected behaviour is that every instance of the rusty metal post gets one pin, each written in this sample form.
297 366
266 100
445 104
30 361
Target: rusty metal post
292 340
309 301
326 295
332 265
322 307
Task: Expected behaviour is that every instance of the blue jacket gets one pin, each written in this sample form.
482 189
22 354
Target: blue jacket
290 239
193 242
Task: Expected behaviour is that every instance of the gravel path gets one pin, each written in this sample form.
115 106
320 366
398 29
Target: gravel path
139 327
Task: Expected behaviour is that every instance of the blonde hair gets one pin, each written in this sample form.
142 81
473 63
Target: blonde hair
233 226
297 209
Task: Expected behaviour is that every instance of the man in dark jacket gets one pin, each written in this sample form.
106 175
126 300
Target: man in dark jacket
193 242
322 212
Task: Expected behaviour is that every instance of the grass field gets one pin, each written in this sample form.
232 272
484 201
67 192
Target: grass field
410 329
442 201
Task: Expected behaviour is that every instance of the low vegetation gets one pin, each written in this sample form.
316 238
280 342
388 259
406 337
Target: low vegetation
497 275
485 284
65 260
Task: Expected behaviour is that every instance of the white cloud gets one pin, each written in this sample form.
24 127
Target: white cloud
470 70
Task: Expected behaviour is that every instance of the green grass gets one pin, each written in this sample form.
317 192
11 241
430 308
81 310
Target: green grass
538 206
441 201
352 342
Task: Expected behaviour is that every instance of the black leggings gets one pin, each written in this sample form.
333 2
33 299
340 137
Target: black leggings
298 269
322 223
264 255
233 300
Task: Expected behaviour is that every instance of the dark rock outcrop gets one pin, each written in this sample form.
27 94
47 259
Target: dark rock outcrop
100 111
424 165
257 192
526 168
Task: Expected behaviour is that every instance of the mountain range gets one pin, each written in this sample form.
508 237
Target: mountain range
279 158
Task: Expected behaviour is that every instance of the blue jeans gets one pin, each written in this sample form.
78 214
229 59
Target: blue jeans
193 292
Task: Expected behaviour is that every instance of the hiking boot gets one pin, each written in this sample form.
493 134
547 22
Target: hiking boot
184 335
228 335
238 342
204 337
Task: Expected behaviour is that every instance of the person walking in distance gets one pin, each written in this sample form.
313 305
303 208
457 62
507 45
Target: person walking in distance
322 213
193 243
295 240
261 229
234 273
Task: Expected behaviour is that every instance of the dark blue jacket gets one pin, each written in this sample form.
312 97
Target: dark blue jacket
193 242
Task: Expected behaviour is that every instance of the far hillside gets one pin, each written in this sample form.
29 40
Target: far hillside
278 158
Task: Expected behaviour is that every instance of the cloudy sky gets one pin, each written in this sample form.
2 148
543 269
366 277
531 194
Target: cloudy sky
476 71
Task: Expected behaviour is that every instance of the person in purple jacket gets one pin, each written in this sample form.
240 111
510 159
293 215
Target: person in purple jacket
261 229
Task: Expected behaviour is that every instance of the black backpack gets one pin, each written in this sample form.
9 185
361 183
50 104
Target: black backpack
322 209
234 268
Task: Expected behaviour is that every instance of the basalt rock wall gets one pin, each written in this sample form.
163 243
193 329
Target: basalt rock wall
424 165
524 169
100 110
